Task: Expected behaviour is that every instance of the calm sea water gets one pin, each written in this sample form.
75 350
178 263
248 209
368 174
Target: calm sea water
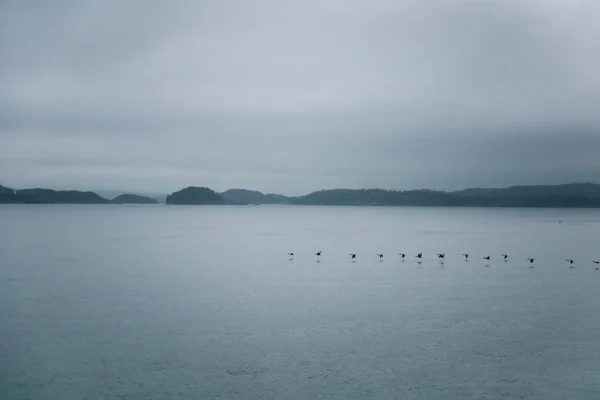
176 302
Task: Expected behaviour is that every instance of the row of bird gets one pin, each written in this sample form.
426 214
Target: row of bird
442 256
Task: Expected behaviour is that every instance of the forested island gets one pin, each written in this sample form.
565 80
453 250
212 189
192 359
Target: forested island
49 196
567 195
193 195
244 196
576 195
133 199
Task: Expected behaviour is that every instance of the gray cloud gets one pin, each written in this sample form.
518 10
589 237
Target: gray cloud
153 95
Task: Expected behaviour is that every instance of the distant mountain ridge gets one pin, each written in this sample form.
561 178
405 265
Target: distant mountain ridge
575 195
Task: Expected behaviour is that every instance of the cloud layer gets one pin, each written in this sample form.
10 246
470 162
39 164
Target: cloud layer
153 96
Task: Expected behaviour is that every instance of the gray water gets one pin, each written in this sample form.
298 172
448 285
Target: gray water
176 302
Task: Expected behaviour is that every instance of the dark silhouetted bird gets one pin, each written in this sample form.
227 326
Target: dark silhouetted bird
466 256
420 255
486 258
353 255
402 255
380 256
531 260
318 253
505 256
441 255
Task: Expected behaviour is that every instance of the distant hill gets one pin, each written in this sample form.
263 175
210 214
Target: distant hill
274 198
5 190
374 197
49 196
571 189
111 194
6 195
244 196
347 197
133 199
196 195
569 195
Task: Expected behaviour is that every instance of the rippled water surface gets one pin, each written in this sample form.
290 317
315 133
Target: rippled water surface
176 302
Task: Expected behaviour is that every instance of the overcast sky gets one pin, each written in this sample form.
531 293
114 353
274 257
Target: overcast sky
291 97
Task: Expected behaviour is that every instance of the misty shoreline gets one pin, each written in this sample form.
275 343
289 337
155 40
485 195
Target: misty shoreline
572 195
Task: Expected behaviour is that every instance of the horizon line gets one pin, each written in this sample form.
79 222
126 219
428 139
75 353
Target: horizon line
148 193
